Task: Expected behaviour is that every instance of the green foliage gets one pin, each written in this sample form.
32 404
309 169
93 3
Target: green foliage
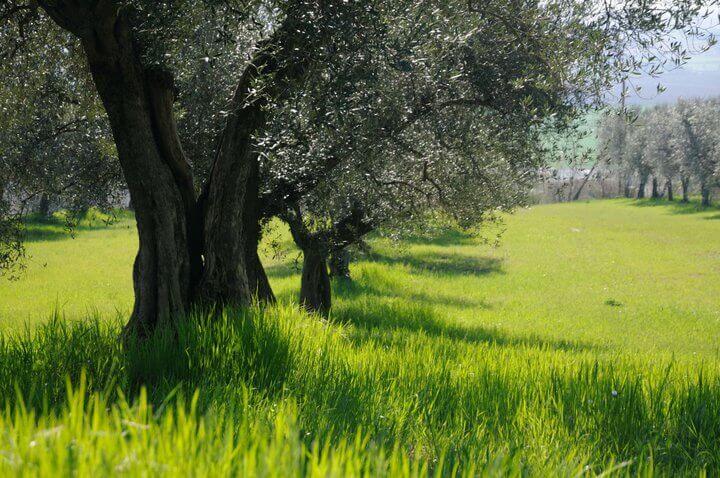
670 142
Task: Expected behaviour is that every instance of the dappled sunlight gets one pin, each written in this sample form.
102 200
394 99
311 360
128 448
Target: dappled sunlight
542 357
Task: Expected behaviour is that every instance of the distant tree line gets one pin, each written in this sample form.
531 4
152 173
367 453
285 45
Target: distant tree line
667 149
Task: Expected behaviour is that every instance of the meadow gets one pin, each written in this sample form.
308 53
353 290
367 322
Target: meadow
585 342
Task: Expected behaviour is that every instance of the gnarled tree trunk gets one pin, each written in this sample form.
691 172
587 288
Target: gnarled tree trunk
641 187
139 106
669 187
231 233
44 205
705 192
315 293
655 194
257 278
340 263
225 278
685 181
189 249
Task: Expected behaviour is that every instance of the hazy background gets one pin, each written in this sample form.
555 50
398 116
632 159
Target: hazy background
700 77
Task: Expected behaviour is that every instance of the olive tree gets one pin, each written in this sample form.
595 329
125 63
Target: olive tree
612 134
192 237
662 126
154 65
456 167
700 132
55 142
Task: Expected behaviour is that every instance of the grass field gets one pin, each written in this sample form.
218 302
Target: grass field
586 342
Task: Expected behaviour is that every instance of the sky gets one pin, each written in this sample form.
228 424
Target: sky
699 77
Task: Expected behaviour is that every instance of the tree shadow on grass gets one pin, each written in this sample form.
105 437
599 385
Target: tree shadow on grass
283 270
443 237
610 406
444 263
372 286
55 229
390 317
677 207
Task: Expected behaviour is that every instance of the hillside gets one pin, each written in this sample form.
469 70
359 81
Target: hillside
586 342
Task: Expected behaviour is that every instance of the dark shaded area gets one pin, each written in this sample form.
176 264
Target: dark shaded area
415 311
443 262
391 317
442 237
620 411
436 262
366 287
39 228
694 206
283 271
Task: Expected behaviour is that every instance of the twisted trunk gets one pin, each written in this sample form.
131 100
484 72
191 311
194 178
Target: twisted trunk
685 181
641 187
705 192
225 240
340 263
139 102
44 206
257 278
233 272
655 194
189 250
315 294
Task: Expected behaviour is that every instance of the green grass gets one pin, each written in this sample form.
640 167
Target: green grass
81 276
585 342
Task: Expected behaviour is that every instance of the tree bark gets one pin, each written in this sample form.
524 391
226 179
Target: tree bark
139 106
257 278
628 182
685 181
655 194
641 187
230 198
315 293
705 191
669 187
340 264
189 249
225 279
44 206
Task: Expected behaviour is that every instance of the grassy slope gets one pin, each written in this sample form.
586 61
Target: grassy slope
442 354
81 276
614 275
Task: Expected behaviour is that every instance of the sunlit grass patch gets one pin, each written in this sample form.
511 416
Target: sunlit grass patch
586 342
